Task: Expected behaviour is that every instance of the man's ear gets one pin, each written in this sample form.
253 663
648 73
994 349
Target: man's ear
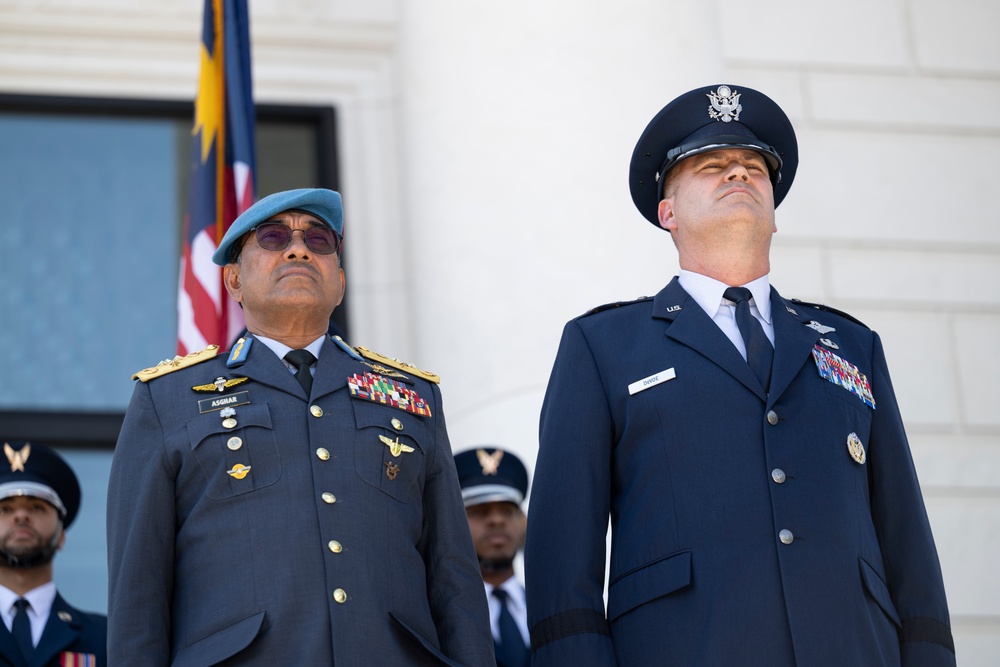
231 279
665 214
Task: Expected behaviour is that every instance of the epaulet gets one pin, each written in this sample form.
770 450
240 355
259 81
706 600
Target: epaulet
397 364
616 304
177 363
830 309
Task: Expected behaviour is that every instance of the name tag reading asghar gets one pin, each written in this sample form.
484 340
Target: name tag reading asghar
651 381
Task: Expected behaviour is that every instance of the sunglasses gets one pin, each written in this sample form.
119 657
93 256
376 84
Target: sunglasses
277 236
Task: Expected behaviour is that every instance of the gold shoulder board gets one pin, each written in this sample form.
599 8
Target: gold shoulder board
397 364
175 364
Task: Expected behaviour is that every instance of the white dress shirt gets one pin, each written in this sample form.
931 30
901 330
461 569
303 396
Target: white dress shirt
708 293
40 604
281 350
517 604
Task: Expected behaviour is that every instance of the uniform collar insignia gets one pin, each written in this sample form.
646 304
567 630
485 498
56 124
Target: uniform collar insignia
240 352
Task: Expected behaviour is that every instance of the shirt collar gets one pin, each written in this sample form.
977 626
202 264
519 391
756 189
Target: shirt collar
708 292
281 349
40 599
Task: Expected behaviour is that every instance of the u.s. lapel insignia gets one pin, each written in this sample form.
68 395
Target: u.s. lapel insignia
387 392
17 458
673 309
395 446
822 328
239 471
856 448
843 373
391 470
220 384
490 463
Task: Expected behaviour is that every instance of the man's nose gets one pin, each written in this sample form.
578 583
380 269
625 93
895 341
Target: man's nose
297 245
737 171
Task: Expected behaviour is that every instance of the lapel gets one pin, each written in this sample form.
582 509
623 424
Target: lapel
61 631
263 366
793 340
332 369
690 325
10 652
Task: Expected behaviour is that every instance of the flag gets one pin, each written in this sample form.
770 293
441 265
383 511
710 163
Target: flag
222 182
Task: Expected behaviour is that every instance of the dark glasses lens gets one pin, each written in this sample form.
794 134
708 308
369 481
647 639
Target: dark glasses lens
277 236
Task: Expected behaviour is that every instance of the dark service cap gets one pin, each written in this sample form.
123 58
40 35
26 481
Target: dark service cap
39 472
324 204
489 474
707 119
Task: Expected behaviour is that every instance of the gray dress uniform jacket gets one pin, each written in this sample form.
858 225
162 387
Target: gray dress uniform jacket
295 536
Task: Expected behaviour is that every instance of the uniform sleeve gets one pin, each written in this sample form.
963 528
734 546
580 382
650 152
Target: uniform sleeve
454 585
141 530
911 561
568 516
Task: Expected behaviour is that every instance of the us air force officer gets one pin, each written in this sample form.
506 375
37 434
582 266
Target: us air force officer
294 502
748 449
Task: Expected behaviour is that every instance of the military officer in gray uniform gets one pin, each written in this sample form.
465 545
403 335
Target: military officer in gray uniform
294 502
747 449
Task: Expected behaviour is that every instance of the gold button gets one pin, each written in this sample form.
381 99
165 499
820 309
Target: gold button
322 454
772 417
396 424
315 411
335 546
329 498
340 595
234 443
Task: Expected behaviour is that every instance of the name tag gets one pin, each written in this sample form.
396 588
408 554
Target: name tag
211 404
651 381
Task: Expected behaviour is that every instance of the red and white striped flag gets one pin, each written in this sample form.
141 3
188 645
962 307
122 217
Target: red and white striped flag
222 176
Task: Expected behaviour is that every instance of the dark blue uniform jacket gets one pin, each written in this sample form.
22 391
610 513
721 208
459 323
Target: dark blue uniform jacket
700 474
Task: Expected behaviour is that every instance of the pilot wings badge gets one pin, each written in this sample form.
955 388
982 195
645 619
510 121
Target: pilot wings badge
395 447
725 105
489 462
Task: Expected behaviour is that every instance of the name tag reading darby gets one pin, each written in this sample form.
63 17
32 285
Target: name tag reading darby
651 381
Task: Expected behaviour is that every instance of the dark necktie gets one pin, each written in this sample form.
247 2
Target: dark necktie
21 629
302 360
511 652
760 353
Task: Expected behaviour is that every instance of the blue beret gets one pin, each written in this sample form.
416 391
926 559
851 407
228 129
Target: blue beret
489 474
39 472
708 119
324 204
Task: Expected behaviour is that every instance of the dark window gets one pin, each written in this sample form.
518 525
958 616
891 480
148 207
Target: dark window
93 194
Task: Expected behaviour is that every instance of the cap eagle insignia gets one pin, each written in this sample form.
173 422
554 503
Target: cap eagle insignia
489 462
17 459
725 104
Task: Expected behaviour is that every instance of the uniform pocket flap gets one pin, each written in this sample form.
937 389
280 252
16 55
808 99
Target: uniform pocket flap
659 578
423 641
878 590
222 644
211 422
